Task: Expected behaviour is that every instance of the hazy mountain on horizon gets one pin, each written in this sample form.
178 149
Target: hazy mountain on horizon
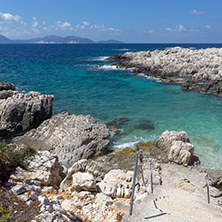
53 39
3 39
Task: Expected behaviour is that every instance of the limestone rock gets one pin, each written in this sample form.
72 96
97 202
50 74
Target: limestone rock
103 199
44 169
68 204
173 146
83 181
19 189
79 166
180 152
5 94
51 217
117 183
6 86
22 111
98 169
71 137
195 69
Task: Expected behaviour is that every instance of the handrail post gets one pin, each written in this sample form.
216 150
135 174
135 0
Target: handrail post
151 177
134 182
208 189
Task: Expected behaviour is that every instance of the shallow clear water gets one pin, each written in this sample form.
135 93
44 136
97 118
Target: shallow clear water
71 73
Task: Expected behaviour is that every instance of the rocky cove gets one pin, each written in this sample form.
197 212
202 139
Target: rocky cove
63 183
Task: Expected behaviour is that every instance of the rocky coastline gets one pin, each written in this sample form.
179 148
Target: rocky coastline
63 183
199 70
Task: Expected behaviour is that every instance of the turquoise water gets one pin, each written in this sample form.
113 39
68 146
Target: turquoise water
71 73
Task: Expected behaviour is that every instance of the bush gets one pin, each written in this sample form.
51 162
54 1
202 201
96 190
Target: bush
12 157
5 215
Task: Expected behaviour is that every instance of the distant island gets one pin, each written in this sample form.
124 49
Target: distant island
53 39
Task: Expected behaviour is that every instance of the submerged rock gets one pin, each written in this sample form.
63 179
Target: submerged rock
22 111
205 142
145 124
117 122
71 137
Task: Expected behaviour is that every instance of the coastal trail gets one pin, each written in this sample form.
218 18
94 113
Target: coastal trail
181 197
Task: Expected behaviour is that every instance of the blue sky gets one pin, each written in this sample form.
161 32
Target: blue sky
139 21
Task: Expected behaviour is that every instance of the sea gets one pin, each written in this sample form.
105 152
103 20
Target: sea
83 83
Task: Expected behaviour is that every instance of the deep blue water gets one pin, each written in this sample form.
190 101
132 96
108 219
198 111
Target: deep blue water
71 74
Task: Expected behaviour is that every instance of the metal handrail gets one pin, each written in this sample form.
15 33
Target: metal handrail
150 181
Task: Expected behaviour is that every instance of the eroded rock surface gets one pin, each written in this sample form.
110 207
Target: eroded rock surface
43 168
175 147
19 111
71 137
6 86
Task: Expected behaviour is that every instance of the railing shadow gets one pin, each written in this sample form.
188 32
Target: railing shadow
154 216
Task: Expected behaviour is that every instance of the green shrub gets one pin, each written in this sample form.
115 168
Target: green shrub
5 215
11 158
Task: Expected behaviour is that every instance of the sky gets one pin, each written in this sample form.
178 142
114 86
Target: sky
130 21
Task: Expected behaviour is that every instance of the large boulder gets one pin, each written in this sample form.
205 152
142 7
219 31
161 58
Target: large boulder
71 137
22 111
117 183
174 147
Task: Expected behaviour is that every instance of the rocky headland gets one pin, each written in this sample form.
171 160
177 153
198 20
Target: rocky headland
19 112
61 181
199 70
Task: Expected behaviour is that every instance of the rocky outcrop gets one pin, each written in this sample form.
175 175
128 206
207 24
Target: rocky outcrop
175 147
6 86
71 137
195 69
43 169
22 111
7 89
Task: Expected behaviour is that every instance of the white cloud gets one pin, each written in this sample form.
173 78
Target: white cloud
169 29
98 26
115 30
34 25
103 28
85 23
8 18
195 12
180 28
63 25
82 26
23 23
207 27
